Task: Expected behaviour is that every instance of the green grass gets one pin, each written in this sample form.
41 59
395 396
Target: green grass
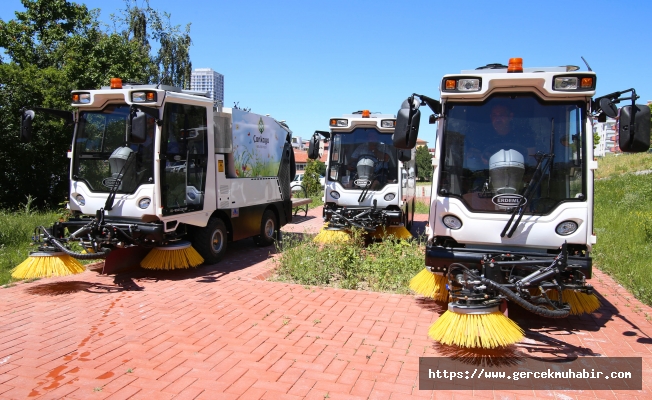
16 231
422 205
623 224
614 165
385 266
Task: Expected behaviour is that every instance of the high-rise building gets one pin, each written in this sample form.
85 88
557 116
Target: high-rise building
207 80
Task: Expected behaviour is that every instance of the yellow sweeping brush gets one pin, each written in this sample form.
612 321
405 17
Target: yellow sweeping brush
43 264
430 284
332 236
399 232
580 303
179 255
487 328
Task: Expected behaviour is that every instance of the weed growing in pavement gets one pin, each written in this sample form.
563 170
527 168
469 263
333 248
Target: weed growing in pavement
384 266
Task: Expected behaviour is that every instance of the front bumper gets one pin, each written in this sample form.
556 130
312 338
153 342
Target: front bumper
439 258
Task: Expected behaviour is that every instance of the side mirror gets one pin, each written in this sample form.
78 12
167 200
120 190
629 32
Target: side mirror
407 125
404 155
634 137
137 127
315 148
26 126
608 107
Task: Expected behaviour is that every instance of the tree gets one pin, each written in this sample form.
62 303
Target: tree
50 48
321 167
424 163
171 65
311 178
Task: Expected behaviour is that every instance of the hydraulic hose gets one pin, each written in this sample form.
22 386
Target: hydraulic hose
544 312
79 256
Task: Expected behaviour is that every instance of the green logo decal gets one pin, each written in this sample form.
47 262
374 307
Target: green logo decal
261 125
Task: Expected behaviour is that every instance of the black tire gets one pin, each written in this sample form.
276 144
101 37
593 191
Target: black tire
267 229
210 241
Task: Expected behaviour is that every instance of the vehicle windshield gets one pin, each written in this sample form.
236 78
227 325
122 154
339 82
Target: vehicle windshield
101 153
362 156
493 148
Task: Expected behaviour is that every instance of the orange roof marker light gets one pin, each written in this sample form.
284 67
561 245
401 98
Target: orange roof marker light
366 113
116 83
515 65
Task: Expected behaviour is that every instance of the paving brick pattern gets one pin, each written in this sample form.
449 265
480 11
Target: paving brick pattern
222 332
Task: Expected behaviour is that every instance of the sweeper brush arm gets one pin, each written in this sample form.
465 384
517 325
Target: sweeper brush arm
472 288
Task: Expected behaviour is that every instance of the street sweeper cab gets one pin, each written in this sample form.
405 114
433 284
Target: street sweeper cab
158 167
370 184
512 193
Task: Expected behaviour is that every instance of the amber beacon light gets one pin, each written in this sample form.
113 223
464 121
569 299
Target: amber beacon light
515 65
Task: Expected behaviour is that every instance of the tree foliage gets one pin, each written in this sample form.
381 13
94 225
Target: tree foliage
53 47
311 178
424 163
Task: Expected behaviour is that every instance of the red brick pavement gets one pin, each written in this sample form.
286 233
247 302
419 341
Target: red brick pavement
221 332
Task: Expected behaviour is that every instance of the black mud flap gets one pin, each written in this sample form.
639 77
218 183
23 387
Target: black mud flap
120 260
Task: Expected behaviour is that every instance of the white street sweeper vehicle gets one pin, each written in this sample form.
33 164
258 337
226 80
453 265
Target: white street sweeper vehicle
370 184
158 167
512 194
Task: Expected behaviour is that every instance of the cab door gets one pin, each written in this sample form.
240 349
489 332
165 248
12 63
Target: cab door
183 158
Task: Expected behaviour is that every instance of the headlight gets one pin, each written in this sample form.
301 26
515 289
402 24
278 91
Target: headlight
143 97
569 83
452 222
389 196
566 228
388 123
144 203
81 98
339 122
335 195
81 200
468 85
455 84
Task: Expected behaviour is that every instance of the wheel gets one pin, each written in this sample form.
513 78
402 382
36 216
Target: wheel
267 229
210 241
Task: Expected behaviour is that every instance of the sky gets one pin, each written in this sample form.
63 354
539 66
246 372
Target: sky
307 61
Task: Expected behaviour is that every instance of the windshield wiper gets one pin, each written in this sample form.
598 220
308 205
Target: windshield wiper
537 177
116 183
